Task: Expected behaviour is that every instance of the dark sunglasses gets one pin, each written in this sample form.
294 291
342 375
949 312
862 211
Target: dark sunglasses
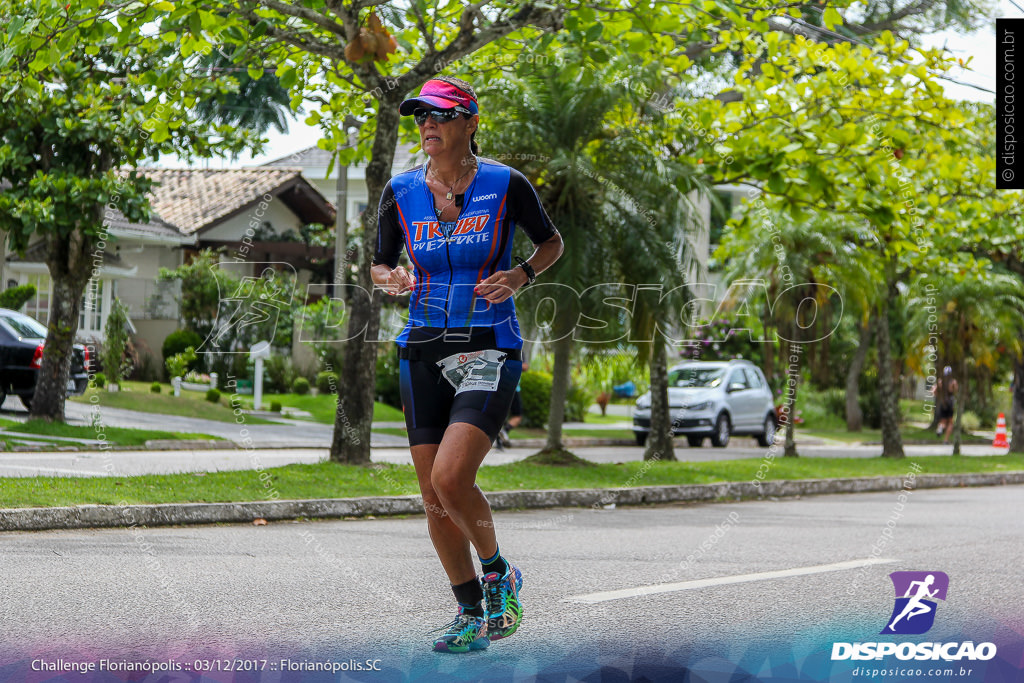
440 115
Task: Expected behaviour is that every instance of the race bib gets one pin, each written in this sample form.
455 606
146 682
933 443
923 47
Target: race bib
473 371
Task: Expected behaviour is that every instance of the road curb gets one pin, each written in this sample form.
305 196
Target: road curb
99 516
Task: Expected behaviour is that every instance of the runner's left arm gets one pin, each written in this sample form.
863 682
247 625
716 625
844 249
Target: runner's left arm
527 212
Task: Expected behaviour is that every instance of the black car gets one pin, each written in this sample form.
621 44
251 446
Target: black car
21 355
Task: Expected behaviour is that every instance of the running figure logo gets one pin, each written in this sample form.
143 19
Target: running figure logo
914 612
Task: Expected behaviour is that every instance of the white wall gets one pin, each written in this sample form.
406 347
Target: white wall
276 213
135 291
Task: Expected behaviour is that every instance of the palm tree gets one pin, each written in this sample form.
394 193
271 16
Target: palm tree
976 314
258 104
618 205
801 261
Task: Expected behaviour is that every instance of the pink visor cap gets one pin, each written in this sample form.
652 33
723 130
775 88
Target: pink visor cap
439 95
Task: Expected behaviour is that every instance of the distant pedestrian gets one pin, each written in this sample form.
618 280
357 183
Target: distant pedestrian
946 389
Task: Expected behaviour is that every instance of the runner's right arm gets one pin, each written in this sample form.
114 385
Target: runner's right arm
385 271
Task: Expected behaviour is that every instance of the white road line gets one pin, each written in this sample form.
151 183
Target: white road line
604 596
46 471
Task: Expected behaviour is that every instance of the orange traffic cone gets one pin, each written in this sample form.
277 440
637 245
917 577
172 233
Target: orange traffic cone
1000 440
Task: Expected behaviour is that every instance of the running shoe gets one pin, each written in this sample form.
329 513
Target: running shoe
501 600
463 634
503 439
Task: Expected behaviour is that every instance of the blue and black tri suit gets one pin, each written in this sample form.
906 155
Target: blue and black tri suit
447 320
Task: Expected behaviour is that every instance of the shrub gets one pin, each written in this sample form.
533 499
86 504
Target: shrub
300 386
987 415
576 404
99 379
835 402
213 396
178 363
179 340
327 382
280 375
15 297
387 386
535 394
870 403
115 341
155 387
969 421
275 406
148 369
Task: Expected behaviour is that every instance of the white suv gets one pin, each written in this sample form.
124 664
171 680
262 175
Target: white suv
715 399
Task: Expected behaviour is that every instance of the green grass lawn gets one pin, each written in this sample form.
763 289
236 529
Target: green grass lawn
531 433
331 480
911 435
137 396
116 436
597 419
323 407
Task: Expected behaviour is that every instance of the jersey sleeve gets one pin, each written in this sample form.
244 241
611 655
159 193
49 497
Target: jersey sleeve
390 237
526 211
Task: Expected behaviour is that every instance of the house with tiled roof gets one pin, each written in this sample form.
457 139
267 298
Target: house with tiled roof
254 215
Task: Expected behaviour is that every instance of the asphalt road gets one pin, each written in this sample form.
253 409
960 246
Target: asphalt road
371 589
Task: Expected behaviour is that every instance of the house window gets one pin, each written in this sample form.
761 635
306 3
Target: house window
38 306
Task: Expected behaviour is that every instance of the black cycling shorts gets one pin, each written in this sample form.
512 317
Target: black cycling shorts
456 375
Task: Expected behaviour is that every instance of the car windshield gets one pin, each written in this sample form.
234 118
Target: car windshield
696 377
24 327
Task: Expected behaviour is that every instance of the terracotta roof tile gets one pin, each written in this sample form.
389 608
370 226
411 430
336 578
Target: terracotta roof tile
191 199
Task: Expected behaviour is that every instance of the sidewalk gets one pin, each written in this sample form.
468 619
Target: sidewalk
135 462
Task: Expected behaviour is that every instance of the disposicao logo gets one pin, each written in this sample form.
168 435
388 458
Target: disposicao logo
916 592
913 614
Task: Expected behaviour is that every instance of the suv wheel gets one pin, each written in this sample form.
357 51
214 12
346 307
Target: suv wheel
720 437
641 438
767 437
694 440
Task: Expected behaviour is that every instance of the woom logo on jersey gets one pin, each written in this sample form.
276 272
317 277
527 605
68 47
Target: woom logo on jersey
914 614
428 235
485 196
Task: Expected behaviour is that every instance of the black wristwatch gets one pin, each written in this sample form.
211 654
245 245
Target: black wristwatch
531 274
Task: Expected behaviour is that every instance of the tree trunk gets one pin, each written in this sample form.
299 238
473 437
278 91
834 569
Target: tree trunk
854 415
659 440
559 391
353 419
69 261
961 400
1017 409
892 441
769 352
789 391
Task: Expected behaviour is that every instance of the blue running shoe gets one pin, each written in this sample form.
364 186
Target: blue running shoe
501 599
463 634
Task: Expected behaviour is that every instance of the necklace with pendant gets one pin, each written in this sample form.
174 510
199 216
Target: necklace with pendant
451 189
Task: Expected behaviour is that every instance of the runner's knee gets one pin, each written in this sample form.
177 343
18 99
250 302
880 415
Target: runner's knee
448 485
